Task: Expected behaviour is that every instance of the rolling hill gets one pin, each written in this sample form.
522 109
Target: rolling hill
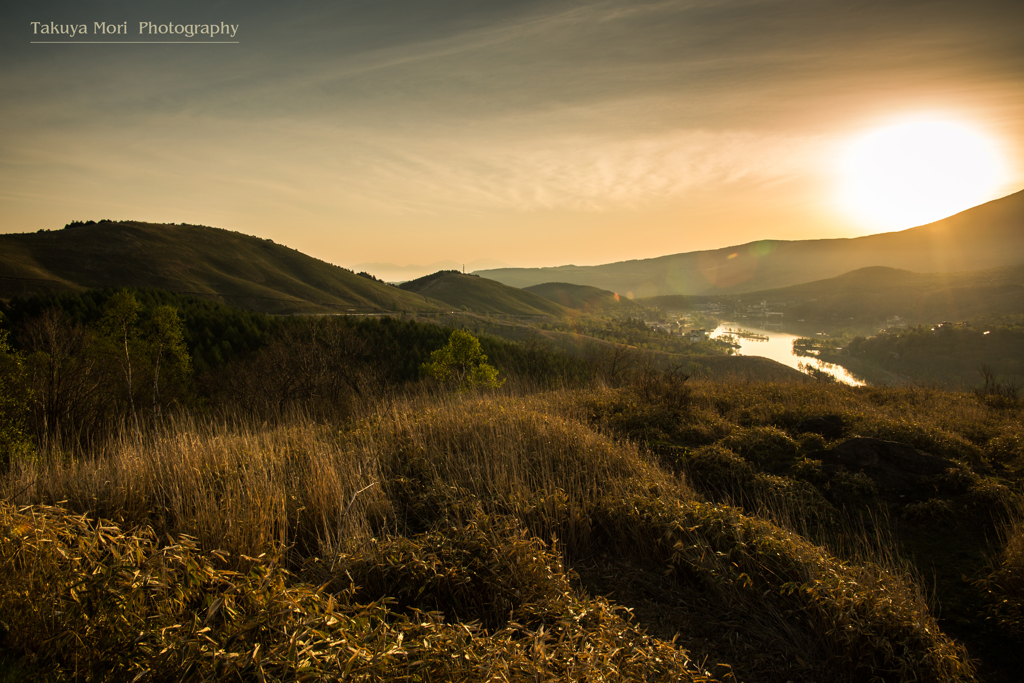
984 237
394 273
587 299
481 295
916 297
873 294
241 270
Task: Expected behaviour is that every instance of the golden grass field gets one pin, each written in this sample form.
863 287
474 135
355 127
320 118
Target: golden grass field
502 536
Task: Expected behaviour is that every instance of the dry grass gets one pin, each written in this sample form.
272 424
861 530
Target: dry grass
245 491
957 425
1005 583
817 618
740 444
463 507
86 601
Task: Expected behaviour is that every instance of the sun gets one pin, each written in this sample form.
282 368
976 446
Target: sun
916 172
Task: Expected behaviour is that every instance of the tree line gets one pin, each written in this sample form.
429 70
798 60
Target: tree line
76 368
73 382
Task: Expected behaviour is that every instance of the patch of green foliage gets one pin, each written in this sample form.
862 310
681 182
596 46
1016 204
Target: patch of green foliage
461 363
128 365
238 360
212 333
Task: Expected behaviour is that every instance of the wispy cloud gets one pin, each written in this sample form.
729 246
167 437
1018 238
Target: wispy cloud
581 172
414 111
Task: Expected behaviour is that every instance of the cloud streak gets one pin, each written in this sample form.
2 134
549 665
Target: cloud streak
584 173
419 113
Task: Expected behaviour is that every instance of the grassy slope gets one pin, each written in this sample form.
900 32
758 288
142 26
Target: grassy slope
587 299
742 444
244 271
987 236
481 295
453 506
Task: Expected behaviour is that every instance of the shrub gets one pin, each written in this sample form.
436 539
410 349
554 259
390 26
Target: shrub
855 623
768 447
461 363
88 601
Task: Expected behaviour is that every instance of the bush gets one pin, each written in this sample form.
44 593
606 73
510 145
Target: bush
461 363
88 601
769 448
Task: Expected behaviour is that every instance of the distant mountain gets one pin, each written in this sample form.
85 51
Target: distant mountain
586 299
873 294
226 266
391 272
987 236
480 295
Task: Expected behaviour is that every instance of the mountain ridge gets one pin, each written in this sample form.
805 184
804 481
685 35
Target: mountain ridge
876 293
482 295
586 298
986 236
246 271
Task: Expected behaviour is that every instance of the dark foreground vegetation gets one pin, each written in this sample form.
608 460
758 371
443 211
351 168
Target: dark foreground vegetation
303 504
948 354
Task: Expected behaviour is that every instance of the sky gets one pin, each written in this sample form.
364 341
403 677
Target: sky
522 132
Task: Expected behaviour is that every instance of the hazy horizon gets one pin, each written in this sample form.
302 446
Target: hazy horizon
528 133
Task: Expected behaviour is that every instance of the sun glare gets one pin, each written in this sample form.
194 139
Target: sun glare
914 173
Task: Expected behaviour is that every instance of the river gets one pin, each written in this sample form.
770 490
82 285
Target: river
779 347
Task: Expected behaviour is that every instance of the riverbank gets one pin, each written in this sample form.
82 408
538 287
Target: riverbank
778 346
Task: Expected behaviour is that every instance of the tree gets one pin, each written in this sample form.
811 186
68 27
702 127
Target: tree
318 364
119 323
462 363
166 340
66 381
14 404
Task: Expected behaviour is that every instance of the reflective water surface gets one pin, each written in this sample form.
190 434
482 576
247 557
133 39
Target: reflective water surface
778 346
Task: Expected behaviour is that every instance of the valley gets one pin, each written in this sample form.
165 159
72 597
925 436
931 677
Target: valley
199 401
